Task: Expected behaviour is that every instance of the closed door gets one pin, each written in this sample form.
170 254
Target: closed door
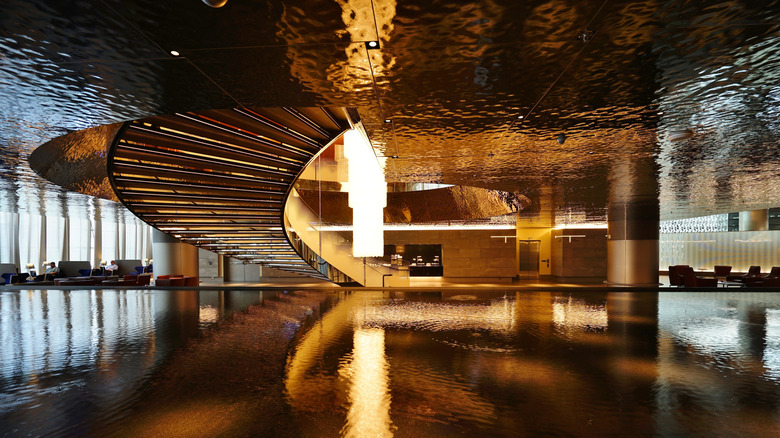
528 259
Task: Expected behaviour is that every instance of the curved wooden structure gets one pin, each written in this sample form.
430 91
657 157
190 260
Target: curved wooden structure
218 179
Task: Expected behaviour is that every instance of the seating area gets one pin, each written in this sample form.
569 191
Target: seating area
129 280
684 275
80 273
176 280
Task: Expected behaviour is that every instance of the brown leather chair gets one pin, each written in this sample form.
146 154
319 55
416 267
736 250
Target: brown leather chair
764 280
722 271
675 275
773 273
753 272
190 280
770 282
169 280
144 279
691 280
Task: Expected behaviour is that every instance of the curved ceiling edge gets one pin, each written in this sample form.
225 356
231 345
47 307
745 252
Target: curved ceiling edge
77 161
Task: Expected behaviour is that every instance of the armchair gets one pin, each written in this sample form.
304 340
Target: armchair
676 275
722 272
753 272
773 277
691 280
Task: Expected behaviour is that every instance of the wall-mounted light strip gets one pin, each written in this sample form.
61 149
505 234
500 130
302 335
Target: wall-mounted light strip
569 236
503 237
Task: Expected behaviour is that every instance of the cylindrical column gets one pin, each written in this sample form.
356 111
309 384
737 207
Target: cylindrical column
754 220
633 224
632 248
172 256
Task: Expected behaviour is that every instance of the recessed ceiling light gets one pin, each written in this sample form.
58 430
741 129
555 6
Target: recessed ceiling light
372 45
388 120
175 53
215 3
520 117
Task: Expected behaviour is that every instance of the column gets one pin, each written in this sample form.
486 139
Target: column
633 222
754 220
172 256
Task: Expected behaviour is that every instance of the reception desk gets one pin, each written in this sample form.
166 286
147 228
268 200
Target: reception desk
426 271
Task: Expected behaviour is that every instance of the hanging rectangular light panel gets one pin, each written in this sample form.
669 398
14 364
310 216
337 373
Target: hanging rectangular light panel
367 195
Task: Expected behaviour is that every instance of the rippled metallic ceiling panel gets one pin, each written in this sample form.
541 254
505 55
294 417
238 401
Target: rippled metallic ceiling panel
454 78
219 179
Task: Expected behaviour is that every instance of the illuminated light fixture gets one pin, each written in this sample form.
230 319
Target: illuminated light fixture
215 3
506 238
367 195
388 120
680 135
569 236
372 45
175 53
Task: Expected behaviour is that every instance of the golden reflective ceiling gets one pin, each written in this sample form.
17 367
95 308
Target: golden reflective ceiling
472 94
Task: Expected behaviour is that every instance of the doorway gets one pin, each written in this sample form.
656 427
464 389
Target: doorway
528 259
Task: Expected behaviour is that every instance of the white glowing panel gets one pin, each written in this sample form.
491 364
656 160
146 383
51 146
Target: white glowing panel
367 196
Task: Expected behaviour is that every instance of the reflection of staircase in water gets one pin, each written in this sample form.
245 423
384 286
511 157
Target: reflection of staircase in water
218 179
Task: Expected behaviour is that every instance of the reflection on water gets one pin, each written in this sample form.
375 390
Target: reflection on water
389 364
596 364
72 358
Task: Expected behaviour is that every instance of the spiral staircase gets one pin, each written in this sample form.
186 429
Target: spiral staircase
218 179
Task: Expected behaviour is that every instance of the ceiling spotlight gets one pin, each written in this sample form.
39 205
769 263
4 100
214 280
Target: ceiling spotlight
585 36
680 135
372 45
520 117
394 156
388 120
561 138
215 3
175 53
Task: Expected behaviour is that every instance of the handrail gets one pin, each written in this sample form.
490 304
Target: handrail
367 271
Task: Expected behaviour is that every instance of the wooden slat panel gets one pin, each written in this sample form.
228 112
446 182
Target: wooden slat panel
217 179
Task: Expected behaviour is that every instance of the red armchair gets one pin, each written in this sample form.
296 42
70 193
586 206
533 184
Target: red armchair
676 275
753 272
691 280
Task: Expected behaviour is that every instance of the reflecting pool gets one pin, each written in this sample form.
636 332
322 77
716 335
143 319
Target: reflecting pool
72 359
540 364
403 364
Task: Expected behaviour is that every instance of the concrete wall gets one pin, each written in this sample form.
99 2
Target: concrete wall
208 264
583 257
238 272
466 253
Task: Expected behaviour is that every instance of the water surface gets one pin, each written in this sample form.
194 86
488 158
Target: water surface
72 359
403 364
541 364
